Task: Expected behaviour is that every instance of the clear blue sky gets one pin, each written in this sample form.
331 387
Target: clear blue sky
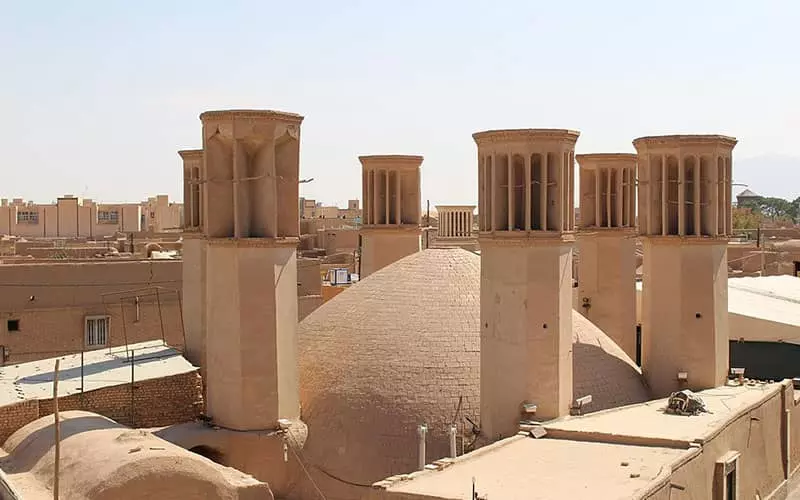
97 96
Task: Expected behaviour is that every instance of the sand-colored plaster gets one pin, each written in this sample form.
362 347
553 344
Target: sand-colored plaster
102 460
527 468
648 420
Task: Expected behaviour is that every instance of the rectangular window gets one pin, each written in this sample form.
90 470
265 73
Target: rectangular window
639 345
726 480
96 331
12 325
730 485
108 217
27 217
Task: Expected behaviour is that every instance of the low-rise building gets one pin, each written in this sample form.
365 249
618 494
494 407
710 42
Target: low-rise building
59 307
73 217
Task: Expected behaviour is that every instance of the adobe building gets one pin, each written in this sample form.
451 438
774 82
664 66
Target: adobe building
311 209
401 348
250 169
607 245
456 227
194 258
763 324
192 164
391 192
743 447
102 460
248 292
685 221
68 217
525 202
161 215
309 286
51 308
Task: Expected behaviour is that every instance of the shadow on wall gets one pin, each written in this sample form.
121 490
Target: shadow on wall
596 373
356 441
210 453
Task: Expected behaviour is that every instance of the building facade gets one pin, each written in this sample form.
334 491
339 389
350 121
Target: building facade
49 309
73 217
68 217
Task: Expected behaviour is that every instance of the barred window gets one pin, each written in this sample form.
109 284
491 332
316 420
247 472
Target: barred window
108 216
27 217
96 331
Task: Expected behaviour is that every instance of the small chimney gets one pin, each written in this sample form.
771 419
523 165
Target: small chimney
422 432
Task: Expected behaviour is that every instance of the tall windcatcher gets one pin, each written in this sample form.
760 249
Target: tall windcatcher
250 188
526 230
194 284
455 222
607 245
685 222
391 216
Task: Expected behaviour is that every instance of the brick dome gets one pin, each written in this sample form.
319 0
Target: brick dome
401 348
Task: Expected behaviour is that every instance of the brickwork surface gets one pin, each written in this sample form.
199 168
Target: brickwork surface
402 348
156 402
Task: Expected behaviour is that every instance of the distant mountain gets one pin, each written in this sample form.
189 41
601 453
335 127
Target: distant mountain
768 175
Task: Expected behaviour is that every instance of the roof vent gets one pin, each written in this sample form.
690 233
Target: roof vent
578 404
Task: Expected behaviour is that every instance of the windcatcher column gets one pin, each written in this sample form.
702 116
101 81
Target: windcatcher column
391 215
455 221
194 261
250 185
525 204
685 222
607 245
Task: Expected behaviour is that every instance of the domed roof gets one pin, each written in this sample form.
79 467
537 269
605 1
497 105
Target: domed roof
102 460
401 348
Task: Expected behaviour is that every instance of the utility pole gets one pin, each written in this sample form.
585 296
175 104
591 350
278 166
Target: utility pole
428 225
761 247
57 427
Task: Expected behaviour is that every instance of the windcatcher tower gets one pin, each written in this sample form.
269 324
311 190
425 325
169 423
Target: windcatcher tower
455 221
194 284
525 204
250 172
391 215
685 222
607 246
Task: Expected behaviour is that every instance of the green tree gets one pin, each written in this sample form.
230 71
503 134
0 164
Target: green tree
777 208
745 218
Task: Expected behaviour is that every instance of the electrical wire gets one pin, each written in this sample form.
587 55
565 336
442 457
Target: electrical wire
302 465
73 285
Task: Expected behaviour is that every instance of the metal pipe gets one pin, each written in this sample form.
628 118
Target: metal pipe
452 432
132 379
180 315
422 430
57 427
160 318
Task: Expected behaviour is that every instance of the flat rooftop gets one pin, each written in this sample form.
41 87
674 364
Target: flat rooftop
772 298
102 368
648 423
622 452
525 468
769 298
